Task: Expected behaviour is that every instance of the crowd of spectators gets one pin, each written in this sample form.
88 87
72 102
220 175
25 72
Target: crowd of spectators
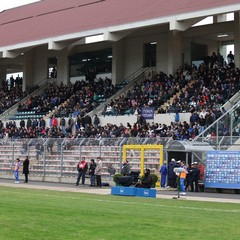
153 91
87 127
11 92
52 96
211 86
77 99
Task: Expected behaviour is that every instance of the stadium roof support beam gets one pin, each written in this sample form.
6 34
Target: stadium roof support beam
114 37
9 54
208 29
56 46
183 25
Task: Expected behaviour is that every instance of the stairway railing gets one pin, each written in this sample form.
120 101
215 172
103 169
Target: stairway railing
226 125
39 87
129 82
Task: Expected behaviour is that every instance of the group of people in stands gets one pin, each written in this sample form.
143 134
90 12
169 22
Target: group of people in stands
197 88
80 96
210 87
11 92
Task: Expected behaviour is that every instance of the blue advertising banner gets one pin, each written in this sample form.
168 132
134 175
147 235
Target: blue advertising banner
147 112
223 169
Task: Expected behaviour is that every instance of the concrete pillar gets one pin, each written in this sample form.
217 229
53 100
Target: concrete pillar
3 74
237 39
187 50
117 62
174 51
28 70
62 67
220 18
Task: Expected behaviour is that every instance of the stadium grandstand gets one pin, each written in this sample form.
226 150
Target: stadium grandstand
101 74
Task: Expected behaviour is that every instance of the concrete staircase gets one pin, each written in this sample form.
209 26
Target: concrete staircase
170 101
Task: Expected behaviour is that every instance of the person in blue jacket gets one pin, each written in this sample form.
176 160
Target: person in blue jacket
163 171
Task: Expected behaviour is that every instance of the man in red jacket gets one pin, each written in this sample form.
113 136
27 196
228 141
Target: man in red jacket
82 168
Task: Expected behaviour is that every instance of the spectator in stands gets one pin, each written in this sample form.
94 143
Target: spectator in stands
26 169
98 172
63 125
177 117
54 72
213 60
54 121
92 168
42 123
22 124
96 121
230 58
29 123
82 168
88 120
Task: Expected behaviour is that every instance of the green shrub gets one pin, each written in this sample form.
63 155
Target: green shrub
154 179
116 176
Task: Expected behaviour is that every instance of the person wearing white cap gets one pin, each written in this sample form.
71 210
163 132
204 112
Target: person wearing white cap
171 174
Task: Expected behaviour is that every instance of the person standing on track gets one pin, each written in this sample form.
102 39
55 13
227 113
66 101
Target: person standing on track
163 172
26 168
16 168
82 168
98 172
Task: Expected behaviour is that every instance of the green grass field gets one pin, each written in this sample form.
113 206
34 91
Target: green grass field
39 214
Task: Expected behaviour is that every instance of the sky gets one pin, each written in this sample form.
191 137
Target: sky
6 4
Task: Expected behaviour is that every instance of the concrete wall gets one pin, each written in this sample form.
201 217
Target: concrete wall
158 118
134 52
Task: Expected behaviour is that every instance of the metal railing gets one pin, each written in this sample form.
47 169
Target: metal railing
6 115
58 157
128 84
228 125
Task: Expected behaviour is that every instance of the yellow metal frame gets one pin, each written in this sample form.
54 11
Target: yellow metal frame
142 148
